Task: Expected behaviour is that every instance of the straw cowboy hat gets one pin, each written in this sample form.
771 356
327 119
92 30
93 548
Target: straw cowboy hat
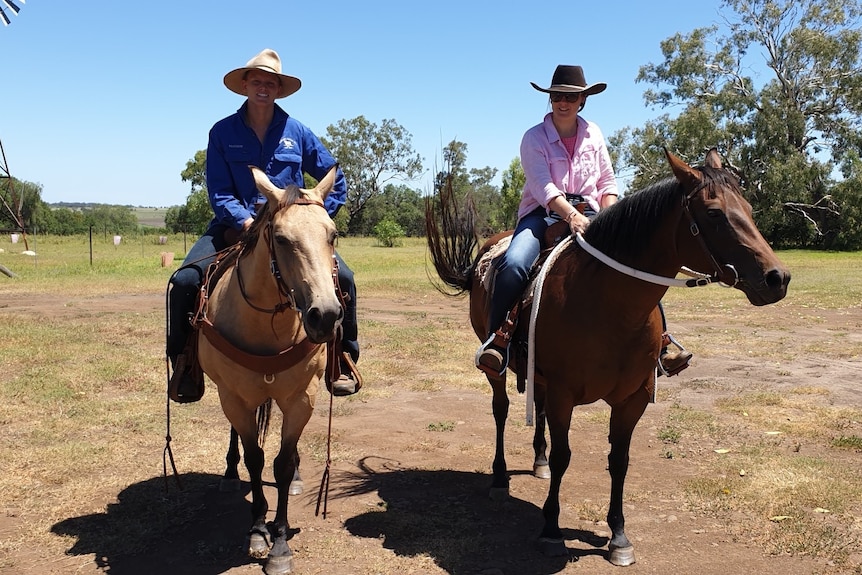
266 61
571 79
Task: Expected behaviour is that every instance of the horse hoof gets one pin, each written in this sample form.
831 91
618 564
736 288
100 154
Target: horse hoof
229 485
296 487
542 471
621 556
258 545
499 494
552 547
278 565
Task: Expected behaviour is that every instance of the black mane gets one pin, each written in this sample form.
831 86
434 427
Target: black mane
626 227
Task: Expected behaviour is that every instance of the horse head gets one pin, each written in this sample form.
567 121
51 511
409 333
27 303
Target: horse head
726 239
301 239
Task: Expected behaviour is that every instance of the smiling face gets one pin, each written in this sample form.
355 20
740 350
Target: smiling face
565 106
261 87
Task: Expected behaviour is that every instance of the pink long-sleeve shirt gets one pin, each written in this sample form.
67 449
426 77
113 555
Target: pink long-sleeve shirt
549 172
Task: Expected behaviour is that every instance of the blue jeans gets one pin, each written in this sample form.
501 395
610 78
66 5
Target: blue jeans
513 267
186 282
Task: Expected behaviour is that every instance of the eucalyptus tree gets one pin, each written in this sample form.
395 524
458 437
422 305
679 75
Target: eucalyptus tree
370 156
510 193
778 89
473 185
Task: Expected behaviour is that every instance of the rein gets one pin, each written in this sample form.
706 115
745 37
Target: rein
700 279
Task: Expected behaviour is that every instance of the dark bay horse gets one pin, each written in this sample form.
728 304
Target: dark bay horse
597 330
267 319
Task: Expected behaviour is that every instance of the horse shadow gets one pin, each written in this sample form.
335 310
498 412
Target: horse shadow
449 516
156 527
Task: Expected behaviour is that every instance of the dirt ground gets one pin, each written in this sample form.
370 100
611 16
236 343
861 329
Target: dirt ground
393 493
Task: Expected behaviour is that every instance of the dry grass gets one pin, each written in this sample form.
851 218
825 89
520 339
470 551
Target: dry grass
78 426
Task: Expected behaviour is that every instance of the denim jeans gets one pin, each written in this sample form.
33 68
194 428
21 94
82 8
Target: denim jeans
513 267
186 283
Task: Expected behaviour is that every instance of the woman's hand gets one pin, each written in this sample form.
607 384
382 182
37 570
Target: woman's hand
577 221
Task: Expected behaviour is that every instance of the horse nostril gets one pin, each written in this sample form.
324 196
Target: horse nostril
312 316
777 279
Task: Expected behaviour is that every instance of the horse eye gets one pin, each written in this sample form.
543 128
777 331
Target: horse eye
714 213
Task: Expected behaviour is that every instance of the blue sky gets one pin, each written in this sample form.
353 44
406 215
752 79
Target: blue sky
105 101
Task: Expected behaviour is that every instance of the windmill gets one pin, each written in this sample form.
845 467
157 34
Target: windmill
9 6
11 202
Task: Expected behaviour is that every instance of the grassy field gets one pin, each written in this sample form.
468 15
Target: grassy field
77 385
151 217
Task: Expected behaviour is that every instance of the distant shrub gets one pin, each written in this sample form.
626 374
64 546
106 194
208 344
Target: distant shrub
388 233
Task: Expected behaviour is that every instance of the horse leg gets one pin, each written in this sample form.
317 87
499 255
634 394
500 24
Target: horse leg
500 408
296 485
285 467
559 422
230 481
624 418
540 445
259 536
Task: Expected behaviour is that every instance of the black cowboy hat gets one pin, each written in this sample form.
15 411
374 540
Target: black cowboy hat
571 79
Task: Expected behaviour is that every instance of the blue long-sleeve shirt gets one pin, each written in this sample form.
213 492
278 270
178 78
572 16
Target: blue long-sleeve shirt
289 149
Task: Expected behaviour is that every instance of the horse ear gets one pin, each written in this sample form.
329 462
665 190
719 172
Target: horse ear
325 185
684 173
713 159
266 187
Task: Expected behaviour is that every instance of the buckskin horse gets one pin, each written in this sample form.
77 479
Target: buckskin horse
261 339
597 331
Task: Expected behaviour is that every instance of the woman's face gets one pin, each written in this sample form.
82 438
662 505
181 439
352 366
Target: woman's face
566 105
261 87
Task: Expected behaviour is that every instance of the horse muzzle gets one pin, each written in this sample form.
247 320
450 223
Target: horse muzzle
771 288
322 322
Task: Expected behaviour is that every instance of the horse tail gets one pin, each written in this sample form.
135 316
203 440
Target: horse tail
264 410
451 235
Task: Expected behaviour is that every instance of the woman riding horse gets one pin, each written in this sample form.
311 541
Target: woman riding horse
566 164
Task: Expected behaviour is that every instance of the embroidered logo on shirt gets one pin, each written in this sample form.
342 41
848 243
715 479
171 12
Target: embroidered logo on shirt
287 143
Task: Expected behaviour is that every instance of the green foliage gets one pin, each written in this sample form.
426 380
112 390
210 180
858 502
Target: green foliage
787 136
473 185
399 204
23 207
196 214
510 194
370 156
388 233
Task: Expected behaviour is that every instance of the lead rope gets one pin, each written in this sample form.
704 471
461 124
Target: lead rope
168 452
323 492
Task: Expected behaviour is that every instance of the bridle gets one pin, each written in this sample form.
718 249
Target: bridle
286 298
695 232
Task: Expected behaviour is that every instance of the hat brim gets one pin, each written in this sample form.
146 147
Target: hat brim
233 81
596 88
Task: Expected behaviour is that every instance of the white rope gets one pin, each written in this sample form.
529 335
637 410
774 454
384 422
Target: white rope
531 335
641 275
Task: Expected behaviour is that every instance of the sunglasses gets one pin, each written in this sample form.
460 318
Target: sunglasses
559 97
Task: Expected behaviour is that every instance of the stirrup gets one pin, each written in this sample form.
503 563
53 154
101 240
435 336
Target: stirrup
666 340
493 370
